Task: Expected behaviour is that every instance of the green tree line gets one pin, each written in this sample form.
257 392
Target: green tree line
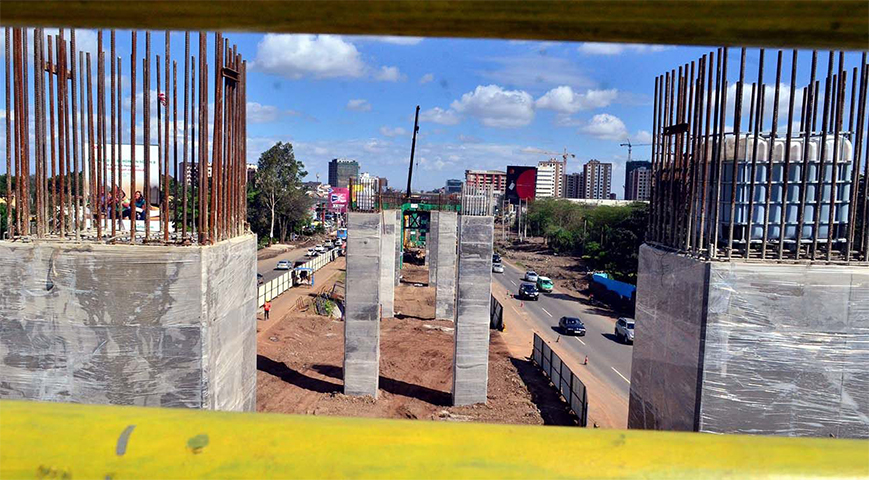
608 238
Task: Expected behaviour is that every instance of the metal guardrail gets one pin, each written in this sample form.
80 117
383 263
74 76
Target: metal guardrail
271 289
59 440
568 384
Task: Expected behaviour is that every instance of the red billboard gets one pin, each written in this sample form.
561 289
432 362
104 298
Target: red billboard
339 198
521 183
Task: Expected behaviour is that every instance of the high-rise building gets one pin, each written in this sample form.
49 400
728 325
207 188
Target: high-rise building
639 184
550 179
481 178
341 170
453 186
573 185
630 167
598 179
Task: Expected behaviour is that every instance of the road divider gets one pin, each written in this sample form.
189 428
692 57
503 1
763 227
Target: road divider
301 274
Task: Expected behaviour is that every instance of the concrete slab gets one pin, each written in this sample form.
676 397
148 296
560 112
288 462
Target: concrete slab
471 359
445 273
387 263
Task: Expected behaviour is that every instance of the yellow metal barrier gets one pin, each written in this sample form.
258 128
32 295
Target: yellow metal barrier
54 440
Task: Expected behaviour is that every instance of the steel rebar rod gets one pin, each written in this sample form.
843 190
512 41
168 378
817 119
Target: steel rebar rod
855 168
785 196
812 104
737 120
146 140
837 128
721 113
165 190
184 176
132 199
770 160
825 125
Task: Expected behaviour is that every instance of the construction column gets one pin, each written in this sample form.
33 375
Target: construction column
445 271
431 240
471 358
387 264
362 298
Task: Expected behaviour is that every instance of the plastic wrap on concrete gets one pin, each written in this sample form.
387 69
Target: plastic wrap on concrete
362 303
787 350
129 325
471 359
735 347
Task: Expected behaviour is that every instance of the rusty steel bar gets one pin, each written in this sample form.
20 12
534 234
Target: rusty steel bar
243 138
675 111
175 144
825 124
753 172
8 122
753 102
650 221
184 176
803 113
203 141
707 150
119 214
165 193
194 182
92 161
214 231
132 193
662 163
63 141
113 204
668 161
101 135
812 106
146 140
737 120
18 139
720 112
787 153
866 194
25 137
85 166
160 157
770 161
55 215
837 128
37 123
851 107
693 196
855 167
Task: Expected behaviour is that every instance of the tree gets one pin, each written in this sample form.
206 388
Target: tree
277 196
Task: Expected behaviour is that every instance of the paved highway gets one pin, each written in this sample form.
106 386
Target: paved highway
609 360
266 267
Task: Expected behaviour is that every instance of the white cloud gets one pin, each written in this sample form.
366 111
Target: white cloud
389 74
428 77
537 71
643 136
391 39
593 48
469 139
440 116
259 113
563 99
496 107
392 132
359 105
606 127
318 56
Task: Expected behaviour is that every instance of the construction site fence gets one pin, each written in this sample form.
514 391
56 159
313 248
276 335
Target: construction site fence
271 289
496 317
565 381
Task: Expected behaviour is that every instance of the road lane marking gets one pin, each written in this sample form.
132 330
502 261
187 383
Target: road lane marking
580 341
514 283
619 374
541 308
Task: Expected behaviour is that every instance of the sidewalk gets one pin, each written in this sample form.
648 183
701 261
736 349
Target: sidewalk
605 408
285 304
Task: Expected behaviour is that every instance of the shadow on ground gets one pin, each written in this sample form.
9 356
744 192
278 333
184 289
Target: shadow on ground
553 409
614 338
395 387
287 374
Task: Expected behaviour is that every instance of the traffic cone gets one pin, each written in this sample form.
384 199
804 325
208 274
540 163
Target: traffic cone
585 362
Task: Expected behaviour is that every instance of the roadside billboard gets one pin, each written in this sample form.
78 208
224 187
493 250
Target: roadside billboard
125 178
521 183
339 198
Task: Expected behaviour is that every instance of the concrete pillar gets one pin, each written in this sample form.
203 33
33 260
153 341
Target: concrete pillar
430 241
387 264
399 226
362 304
445 273
471 358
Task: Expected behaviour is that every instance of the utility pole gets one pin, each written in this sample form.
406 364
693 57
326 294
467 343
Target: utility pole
412 150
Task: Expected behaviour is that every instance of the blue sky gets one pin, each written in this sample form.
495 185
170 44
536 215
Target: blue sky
484 103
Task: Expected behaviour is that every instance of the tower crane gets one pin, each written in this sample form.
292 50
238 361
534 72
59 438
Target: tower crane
631 146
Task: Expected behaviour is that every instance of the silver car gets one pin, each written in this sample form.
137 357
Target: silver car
625 330
283 265
497 268
531 276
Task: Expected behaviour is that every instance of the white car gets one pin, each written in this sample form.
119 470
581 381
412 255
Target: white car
283 265
311 253
497 268
625 330
531 276
320 249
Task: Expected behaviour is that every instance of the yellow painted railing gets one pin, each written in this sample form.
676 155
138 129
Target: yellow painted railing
54 440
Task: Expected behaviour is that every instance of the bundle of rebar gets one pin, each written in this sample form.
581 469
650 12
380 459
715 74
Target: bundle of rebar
724 191
66 166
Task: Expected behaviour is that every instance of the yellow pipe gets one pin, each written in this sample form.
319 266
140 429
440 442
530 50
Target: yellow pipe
55 440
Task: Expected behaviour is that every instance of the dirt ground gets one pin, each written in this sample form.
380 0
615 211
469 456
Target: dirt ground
299 365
